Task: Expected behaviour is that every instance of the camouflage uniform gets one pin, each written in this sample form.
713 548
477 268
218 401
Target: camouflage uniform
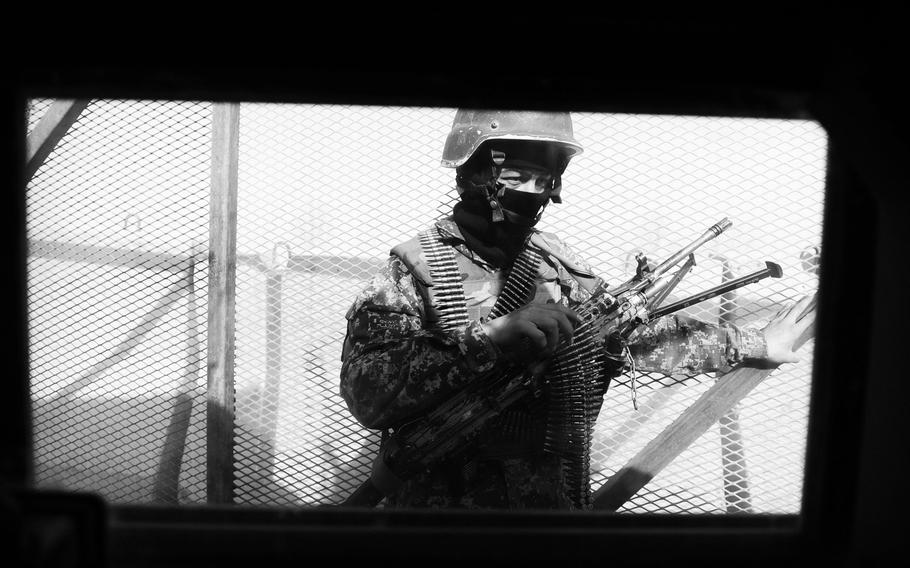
397 365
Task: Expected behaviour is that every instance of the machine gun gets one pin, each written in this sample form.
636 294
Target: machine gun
449 432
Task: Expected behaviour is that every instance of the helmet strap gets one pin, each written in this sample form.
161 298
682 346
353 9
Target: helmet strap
498 213
497 158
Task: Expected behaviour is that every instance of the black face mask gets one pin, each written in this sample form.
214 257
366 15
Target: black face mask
497 243
527 205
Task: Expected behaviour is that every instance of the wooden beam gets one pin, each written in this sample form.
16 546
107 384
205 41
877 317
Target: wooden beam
107 256
42 140
222 278
682 432
324 265
124 349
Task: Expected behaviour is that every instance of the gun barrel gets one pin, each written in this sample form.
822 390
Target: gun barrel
712 232
771 269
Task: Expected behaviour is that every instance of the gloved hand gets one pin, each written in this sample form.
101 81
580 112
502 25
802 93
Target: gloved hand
533 332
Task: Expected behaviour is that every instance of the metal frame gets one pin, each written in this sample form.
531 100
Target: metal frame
716 404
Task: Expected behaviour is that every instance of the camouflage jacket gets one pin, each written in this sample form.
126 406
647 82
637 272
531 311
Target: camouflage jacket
397 365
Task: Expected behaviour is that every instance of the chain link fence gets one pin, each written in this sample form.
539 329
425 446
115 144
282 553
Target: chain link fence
118 231
117 227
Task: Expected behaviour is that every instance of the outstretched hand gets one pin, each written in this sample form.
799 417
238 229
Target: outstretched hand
786 327
532 332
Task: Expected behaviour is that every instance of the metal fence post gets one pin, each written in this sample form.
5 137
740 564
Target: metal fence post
222 278
273 299
167 480
737 497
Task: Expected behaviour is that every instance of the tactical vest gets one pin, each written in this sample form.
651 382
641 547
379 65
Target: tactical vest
455 289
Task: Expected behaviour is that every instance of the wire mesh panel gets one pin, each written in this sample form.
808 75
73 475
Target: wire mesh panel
323 194
117 227
326 191
660 180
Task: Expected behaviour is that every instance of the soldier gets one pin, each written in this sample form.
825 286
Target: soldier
450 308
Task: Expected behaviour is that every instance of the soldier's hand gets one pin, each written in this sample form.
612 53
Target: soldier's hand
785 328
532 332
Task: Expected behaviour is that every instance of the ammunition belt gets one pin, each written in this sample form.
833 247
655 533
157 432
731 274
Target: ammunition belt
520 284
446 289
517 432
574 390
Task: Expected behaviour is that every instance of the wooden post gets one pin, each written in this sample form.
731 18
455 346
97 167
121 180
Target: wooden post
42 140
222 278
682 432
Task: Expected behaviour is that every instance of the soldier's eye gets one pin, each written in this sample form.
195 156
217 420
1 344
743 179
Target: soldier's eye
514 177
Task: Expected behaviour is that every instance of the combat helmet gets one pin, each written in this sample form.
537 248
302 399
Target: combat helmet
472 128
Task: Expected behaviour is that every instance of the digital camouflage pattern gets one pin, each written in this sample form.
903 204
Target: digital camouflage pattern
396 366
